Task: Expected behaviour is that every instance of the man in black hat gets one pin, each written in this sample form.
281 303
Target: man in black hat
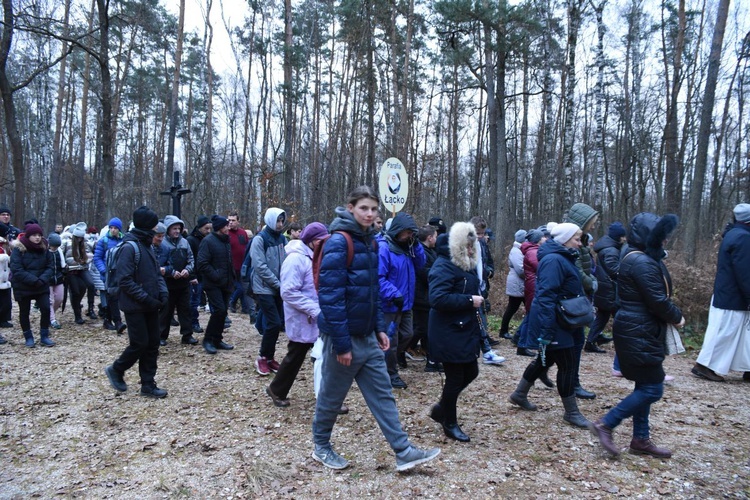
438 224
13 231
141 293
202 228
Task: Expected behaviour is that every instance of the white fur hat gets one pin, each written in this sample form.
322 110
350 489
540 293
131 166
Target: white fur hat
561 233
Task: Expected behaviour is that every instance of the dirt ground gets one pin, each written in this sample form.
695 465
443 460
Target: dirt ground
64 432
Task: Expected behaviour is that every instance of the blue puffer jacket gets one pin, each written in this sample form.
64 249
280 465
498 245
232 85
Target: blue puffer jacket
349 297
398 265
732 283
557 277
100 251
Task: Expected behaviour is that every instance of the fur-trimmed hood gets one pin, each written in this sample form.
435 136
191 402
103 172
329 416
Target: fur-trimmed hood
648 232
459 235
17 244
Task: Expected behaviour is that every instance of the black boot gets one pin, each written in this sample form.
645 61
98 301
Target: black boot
453 431
29 336
436 413
582 393
592 347
92 314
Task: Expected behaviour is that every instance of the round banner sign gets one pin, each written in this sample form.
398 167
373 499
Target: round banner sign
394 185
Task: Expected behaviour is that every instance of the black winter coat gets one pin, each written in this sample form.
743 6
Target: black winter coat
142 288
645 310
215 262
454 330
608 266
27 268
194 240
421 292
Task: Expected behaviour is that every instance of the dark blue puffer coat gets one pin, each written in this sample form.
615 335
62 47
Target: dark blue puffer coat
732 283
608 266
557 277
349 297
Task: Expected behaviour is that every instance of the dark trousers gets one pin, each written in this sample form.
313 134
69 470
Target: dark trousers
24 308
273 319
514 303
239 293
179 298
567 369
79 282
218 300
196 292
143 334
457 377
6 304
400 341
113 307
600 321
289 368
420 320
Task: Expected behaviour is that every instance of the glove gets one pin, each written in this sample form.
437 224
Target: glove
398 302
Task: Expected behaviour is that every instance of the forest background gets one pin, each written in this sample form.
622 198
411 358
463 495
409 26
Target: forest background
512 110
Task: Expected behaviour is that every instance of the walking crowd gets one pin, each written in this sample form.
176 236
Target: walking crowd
365 296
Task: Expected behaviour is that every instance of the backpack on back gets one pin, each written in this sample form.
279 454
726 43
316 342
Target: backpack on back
112 256
318 254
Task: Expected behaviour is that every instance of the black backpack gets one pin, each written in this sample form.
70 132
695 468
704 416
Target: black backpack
111 258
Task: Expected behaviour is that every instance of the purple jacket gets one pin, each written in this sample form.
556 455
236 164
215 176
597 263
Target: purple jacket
301 308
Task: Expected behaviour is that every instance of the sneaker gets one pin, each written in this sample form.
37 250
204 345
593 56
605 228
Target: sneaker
151 391
108 325
6 324
668 378
261 366
413 356
412 456
330 458
54 324
492 358
273 365
433 367
121 327
115 379
397 383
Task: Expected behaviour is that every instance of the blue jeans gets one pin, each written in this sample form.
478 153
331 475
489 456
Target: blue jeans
616 364
239 293
636 405
368 369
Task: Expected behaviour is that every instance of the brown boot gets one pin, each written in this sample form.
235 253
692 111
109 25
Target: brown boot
604 434
646 447
707 373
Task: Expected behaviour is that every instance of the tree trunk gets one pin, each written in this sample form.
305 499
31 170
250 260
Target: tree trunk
173 104
704 132
108 159
289 133
53 208
574 23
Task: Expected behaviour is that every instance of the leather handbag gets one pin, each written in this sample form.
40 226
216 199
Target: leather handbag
574 312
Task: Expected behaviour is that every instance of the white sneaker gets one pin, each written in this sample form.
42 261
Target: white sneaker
492 358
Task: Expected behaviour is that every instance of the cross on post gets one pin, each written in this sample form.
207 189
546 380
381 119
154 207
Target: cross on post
176 191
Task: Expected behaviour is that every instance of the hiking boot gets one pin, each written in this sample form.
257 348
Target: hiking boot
604 434
492 358
413 456
261 366
592 347
397 383
280 402
707 373
330 458
582 393
29 338
151 391
209 347
108 325
121 327
116 379
273 365
646 447
54 324
520 396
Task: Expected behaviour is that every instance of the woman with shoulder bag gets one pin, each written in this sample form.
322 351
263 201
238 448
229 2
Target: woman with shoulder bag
639 331
557 279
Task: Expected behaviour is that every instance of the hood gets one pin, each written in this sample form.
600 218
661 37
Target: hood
171 220
580 214
401 222
298 246
551 246
527 245
606 242
272 215
345 221
459 235
648 232
197 232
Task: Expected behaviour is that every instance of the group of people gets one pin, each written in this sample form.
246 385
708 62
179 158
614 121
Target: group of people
360 292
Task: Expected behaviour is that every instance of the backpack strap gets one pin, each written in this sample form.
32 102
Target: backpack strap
349 247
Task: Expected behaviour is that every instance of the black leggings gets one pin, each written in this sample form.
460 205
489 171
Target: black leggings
513 304
24 309
567 369
457 377
78 283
